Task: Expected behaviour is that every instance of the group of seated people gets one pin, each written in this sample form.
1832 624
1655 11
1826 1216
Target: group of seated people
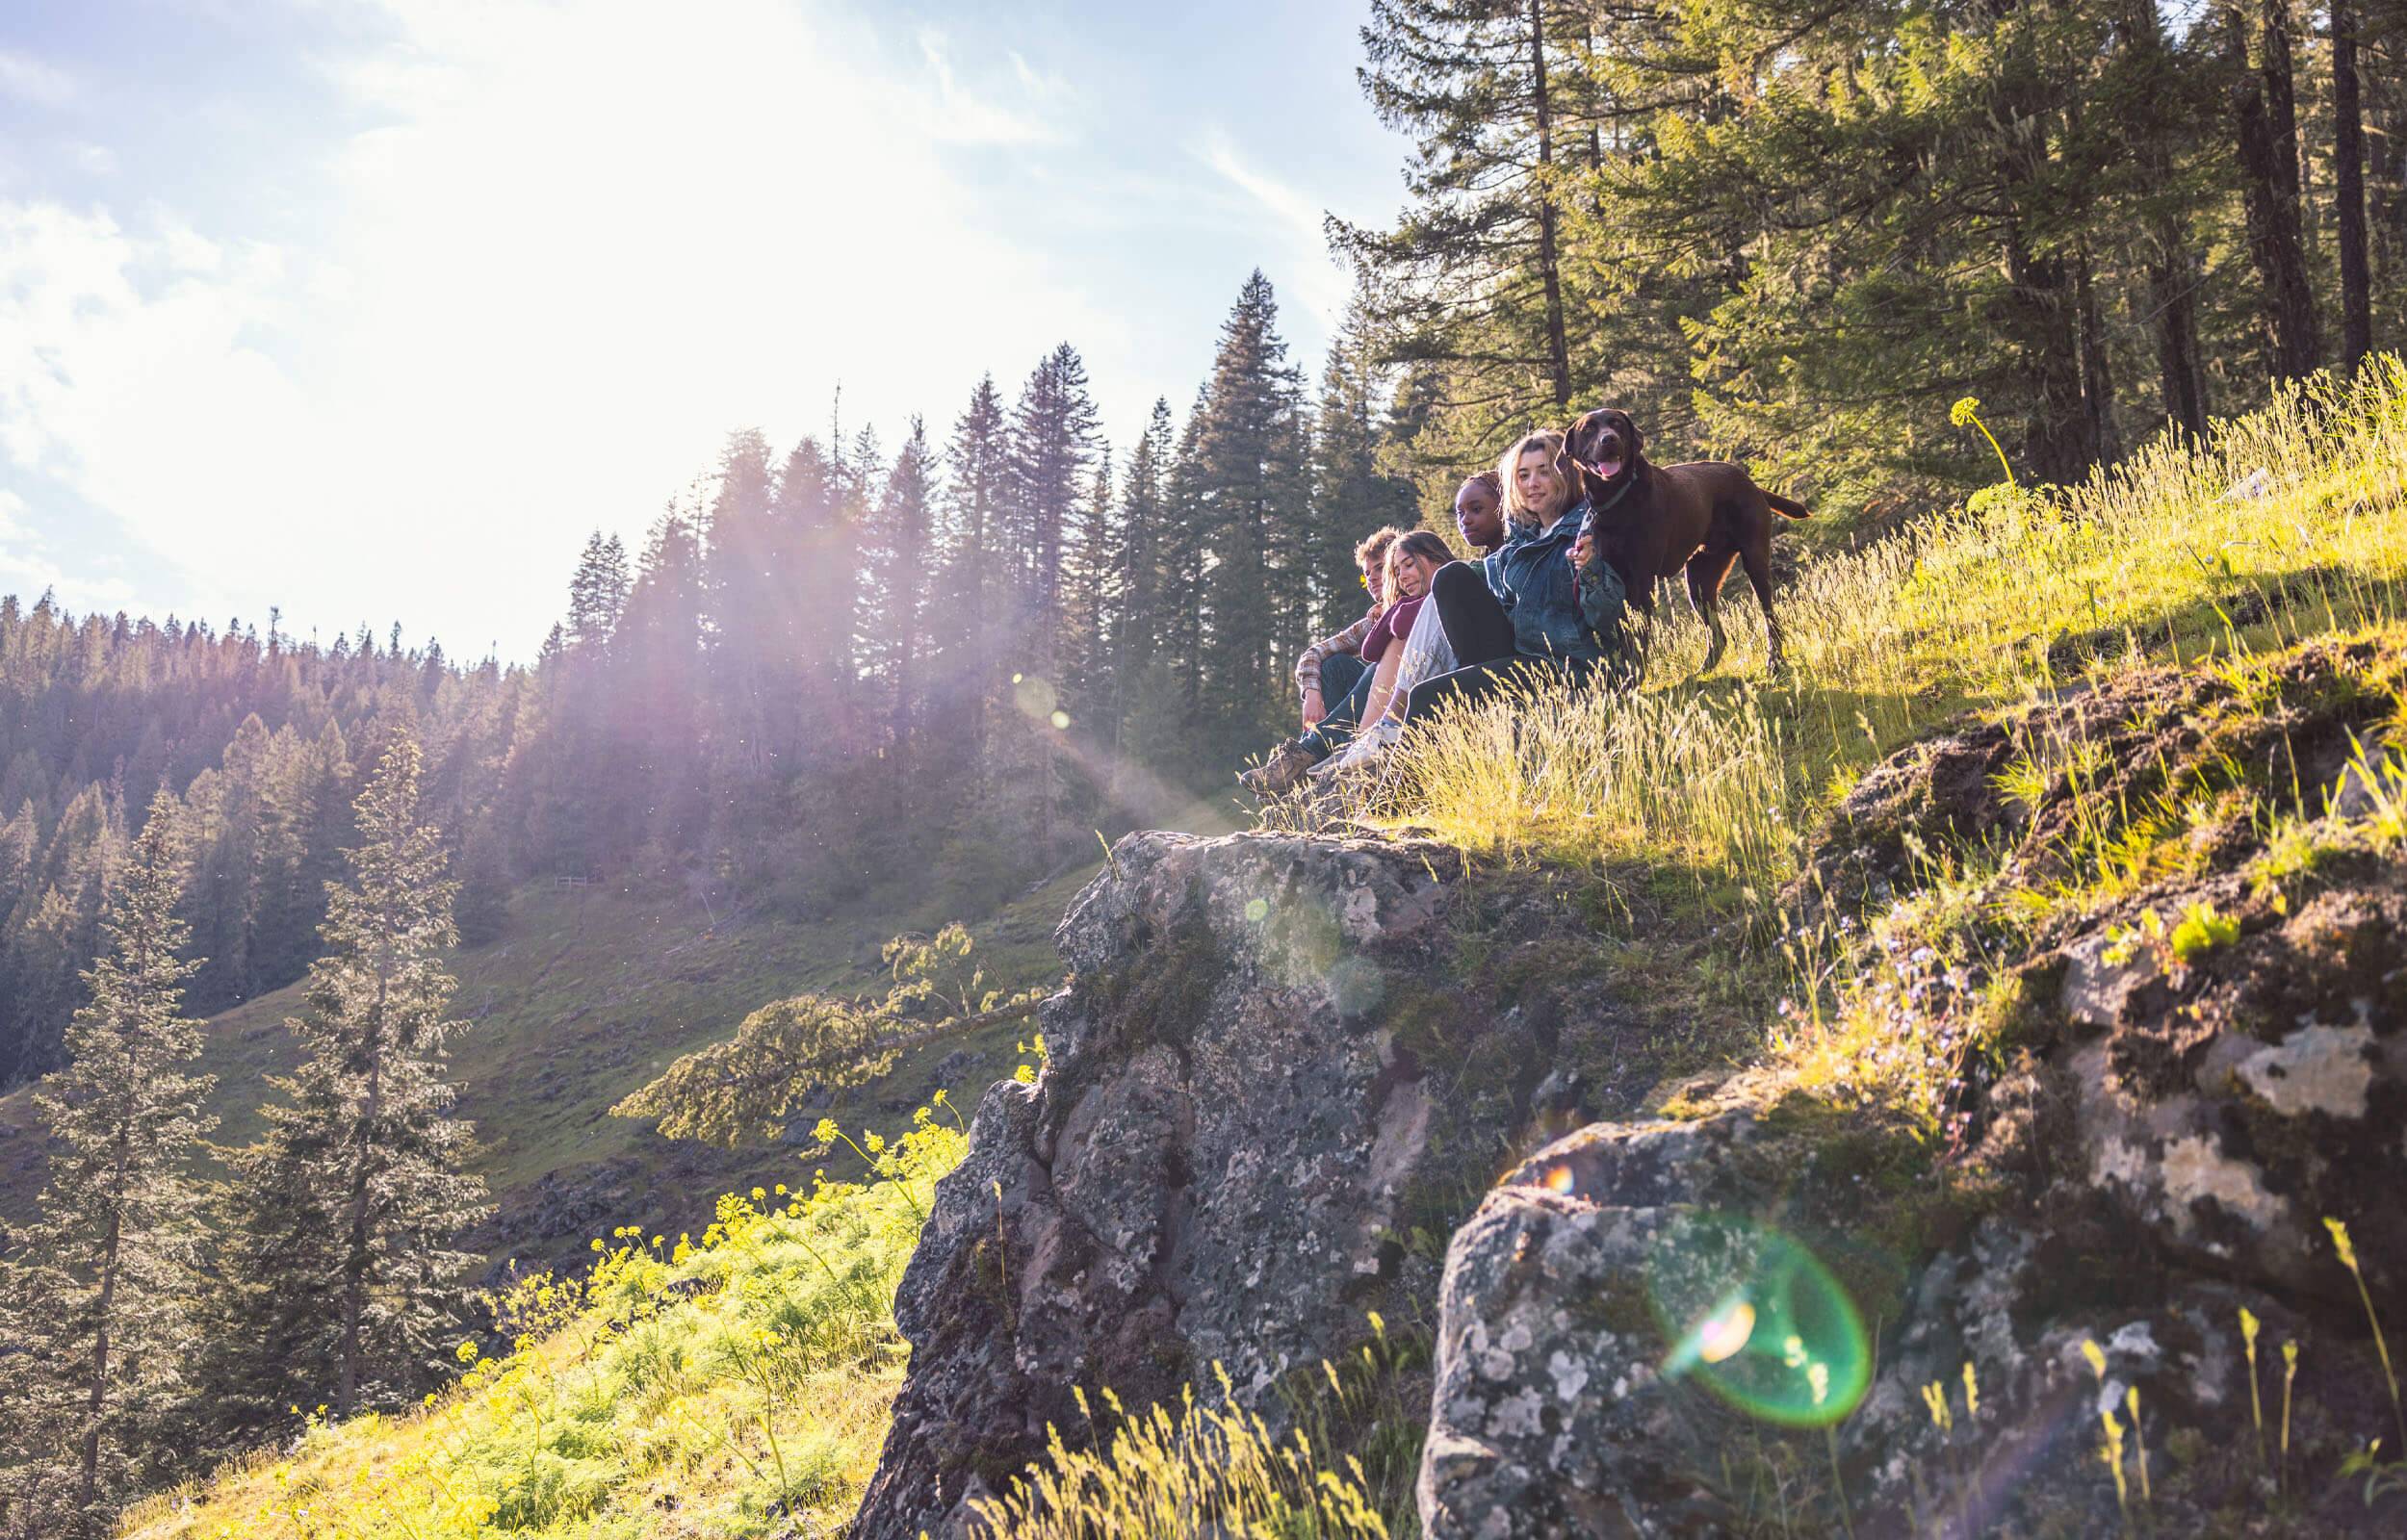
1531 608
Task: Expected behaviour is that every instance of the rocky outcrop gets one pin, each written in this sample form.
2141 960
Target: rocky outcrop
1270 1093
2166 1087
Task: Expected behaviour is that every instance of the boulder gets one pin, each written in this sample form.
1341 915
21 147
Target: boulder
2178 1083
1267 1097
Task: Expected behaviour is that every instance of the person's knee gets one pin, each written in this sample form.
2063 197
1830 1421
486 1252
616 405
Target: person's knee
1456 581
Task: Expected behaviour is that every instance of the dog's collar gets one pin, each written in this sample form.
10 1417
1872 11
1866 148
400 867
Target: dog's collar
1623 491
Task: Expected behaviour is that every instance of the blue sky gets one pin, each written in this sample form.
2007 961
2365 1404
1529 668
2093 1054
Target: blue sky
371 308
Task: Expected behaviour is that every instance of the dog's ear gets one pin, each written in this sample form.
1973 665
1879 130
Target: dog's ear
1630 427
1568 460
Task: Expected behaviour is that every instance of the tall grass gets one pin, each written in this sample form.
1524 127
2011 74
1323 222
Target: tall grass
1203 1471
728 1386
2285 522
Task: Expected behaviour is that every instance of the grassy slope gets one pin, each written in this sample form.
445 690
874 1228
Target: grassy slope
1688 803
586 996
2288 524
730 1387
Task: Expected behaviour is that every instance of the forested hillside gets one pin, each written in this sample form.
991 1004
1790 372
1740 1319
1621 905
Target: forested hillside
2073 322
1788 240
958 660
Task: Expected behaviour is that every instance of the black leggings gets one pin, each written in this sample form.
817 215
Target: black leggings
1478 630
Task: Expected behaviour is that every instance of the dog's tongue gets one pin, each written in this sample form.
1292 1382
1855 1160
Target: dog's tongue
1608 467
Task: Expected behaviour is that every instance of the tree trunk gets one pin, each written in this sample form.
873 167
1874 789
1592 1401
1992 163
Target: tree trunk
2349 147
2265 123
1558 352
2171 267
355 1254
2060 440
2097 379
98 1401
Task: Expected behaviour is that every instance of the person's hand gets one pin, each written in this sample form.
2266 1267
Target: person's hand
1581 549
1314 709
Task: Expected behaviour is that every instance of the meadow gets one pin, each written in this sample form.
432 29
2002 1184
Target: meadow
2287 523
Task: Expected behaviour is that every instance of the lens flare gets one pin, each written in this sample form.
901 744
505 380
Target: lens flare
1759 1320
1720 1335
1036 698
1560 1179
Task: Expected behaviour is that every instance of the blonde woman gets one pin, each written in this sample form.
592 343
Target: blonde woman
1526 611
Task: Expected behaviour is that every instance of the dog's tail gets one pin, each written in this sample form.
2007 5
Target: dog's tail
1786 507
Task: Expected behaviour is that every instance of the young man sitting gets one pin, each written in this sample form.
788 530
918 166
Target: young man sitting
1334 681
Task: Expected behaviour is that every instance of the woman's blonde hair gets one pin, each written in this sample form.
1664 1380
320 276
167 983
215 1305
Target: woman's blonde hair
1419 543
1519 512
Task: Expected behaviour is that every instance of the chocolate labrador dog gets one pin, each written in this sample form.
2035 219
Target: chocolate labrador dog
1651 521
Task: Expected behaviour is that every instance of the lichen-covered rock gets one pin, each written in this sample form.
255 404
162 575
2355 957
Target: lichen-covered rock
2182 1073
1263 1079
1549 1417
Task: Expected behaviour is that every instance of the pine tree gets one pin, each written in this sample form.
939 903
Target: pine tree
751 639
1351 495
1052 446
1092 566
967 638
352 1205
1250 490
1186 548
98 1304
1140 678
53 931
662 633
896 555
597 595
1479 86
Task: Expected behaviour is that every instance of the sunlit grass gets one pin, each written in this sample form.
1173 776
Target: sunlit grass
2286 522
1200 1472
725 1385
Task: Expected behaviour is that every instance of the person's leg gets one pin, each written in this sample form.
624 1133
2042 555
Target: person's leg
1344 718
1345 687
1341 681
1465 687
1477 628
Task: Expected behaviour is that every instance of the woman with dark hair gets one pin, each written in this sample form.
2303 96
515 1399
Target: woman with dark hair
1479 513
1407 647
1527 611
1412 562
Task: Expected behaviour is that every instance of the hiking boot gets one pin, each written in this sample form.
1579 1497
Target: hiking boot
1282 771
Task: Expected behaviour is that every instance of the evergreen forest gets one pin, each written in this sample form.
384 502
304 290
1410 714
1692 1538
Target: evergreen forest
1913 263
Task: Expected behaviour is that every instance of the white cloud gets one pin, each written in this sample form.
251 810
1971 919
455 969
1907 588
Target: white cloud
30 80
965 115
581 246
1316 276
27 572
